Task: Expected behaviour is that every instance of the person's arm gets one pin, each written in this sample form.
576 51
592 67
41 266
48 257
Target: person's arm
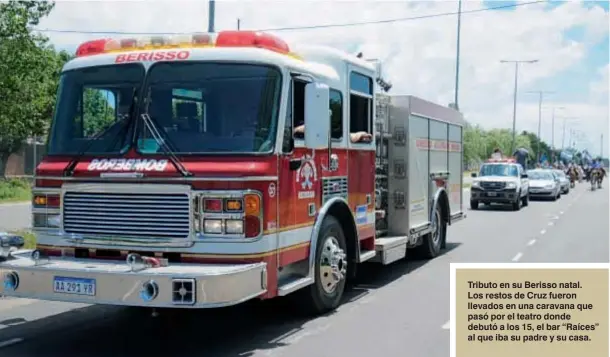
361 136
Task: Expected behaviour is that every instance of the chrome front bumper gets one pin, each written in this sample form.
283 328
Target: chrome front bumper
119 283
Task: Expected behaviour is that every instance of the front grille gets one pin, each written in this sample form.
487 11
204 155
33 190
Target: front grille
128 215
493 185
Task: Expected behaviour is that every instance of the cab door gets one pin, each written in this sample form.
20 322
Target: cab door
299 191
361 155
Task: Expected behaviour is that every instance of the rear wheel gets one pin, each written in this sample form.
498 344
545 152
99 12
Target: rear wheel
330 270
432 242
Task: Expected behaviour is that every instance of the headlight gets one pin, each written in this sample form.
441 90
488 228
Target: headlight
511 185
213 226
234 226
549 186
44 220
476 183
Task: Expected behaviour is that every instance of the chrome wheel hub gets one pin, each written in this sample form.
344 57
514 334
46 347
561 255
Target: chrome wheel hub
436 227
333 265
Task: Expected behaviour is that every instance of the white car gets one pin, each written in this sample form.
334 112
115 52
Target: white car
564 181
544 184
500 181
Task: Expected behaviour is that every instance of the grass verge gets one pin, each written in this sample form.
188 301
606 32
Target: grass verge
15 190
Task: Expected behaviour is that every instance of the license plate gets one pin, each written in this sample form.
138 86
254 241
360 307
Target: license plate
534 191
492 194
76 286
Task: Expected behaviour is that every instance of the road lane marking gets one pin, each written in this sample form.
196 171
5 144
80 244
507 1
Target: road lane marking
543 231
531 242
447 325
517 257
10 342
560 212
556 217
551 223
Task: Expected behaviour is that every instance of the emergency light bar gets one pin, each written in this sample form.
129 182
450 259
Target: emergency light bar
506 160
222 39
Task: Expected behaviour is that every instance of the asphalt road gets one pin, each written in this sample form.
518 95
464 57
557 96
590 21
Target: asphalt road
397 310
15 216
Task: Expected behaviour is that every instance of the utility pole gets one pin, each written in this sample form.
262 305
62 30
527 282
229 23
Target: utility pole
563 139
540 94
512 147
238 24
457 57
211 15
553 127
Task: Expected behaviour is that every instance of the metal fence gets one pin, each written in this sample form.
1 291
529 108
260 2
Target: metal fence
23 162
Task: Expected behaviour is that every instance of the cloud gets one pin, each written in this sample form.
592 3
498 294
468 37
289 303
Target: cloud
418 56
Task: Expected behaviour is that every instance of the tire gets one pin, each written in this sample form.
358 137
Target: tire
525 200
326 292
474 204
432 242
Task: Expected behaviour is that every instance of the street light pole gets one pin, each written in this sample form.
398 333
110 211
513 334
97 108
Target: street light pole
540 94
211 15
553 127
563 139
457 56
512 148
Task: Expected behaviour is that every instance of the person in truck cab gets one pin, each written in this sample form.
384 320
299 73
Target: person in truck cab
357 137
497 154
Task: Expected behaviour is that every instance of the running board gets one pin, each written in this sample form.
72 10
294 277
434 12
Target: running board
367 255
294 285
390 249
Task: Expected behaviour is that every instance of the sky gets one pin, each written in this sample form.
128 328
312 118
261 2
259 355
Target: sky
568 38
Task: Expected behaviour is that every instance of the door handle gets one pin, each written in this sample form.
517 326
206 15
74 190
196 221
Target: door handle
295 164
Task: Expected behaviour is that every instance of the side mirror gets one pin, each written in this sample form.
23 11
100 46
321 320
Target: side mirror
473 174
317 118
524 176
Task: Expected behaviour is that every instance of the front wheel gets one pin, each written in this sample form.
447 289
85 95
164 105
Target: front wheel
330 270
474 204
525 201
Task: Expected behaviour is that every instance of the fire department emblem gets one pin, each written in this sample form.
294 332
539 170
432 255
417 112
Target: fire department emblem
306 176
271 190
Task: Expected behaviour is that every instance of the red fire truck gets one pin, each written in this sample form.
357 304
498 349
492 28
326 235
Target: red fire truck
206 170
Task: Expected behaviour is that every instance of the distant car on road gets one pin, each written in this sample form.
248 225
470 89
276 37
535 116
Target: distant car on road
564 181
544 184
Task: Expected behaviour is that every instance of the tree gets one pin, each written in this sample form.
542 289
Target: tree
28 75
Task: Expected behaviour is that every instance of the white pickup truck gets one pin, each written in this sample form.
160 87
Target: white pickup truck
501 181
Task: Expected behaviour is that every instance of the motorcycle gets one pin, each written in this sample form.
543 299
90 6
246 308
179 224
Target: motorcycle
573 175
595 180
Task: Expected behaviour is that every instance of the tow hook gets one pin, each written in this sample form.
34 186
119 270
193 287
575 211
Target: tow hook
137 262
39 258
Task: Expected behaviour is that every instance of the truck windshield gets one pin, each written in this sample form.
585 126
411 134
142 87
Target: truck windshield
499 170
93 101
206 107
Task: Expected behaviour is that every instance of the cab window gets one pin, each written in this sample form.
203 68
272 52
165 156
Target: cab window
361 106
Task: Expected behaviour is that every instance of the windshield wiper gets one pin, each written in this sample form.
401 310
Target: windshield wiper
161 140
69 170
